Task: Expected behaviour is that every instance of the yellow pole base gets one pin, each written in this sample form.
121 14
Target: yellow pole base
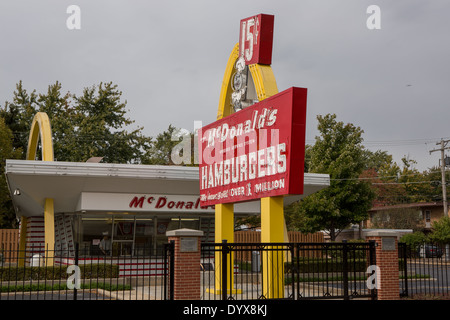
224 215
272 230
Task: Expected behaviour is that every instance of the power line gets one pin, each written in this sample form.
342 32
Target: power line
399 183
400 142
383 177
442 149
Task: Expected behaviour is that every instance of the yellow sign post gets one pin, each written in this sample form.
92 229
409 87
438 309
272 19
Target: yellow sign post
40 128
272 215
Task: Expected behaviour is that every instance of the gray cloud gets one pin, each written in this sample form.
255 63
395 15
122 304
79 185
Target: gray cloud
168 58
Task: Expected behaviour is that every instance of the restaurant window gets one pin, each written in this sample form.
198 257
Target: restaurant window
128 235
90 233
144 234
123 236
190 224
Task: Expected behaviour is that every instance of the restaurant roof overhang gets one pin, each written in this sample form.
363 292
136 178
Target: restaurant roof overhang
31 182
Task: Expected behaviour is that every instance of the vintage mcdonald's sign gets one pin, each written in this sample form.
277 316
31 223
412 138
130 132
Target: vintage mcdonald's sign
256 39
256 152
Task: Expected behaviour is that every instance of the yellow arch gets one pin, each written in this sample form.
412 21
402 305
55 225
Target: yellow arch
40 128
273 227
265 86
263 77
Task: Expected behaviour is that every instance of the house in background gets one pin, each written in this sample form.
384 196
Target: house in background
430 212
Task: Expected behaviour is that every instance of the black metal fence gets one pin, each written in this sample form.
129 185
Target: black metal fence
239 271
424 269
76 275
287 270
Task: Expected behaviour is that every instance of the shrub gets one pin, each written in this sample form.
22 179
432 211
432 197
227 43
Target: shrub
91 271
415 239
325 265
441 231
353 253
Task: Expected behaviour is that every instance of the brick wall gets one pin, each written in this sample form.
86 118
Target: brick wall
186 266
387 261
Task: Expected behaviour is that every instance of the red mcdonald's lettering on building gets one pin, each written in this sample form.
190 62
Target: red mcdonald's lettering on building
161 202
164 202
137 202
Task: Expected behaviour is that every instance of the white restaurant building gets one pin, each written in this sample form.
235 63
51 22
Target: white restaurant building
134 204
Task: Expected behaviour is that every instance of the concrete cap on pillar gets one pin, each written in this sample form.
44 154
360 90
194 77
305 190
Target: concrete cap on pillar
184 233
382 233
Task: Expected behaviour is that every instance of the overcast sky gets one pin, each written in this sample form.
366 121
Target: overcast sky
168 58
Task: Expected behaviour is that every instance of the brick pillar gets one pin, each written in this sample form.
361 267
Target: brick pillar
187 263
386 251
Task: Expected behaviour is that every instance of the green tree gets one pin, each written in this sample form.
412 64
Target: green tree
379 161
338 151
93 124
396 184
100 122
7 151
388 191
174 146
161 152
60 111
382 173
432 191
441 231
413 181
18 115
414 240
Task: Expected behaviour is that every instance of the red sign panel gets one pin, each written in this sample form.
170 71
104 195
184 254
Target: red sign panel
256 39
254 153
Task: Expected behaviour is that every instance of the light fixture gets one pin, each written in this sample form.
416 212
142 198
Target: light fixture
239 84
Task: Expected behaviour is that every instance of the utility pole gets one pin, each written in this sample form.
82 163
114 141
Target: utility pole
443 147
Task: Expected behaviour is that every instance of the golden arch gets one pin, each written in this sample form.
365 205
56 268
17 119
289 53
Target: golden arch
273 227
263 78
40 128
